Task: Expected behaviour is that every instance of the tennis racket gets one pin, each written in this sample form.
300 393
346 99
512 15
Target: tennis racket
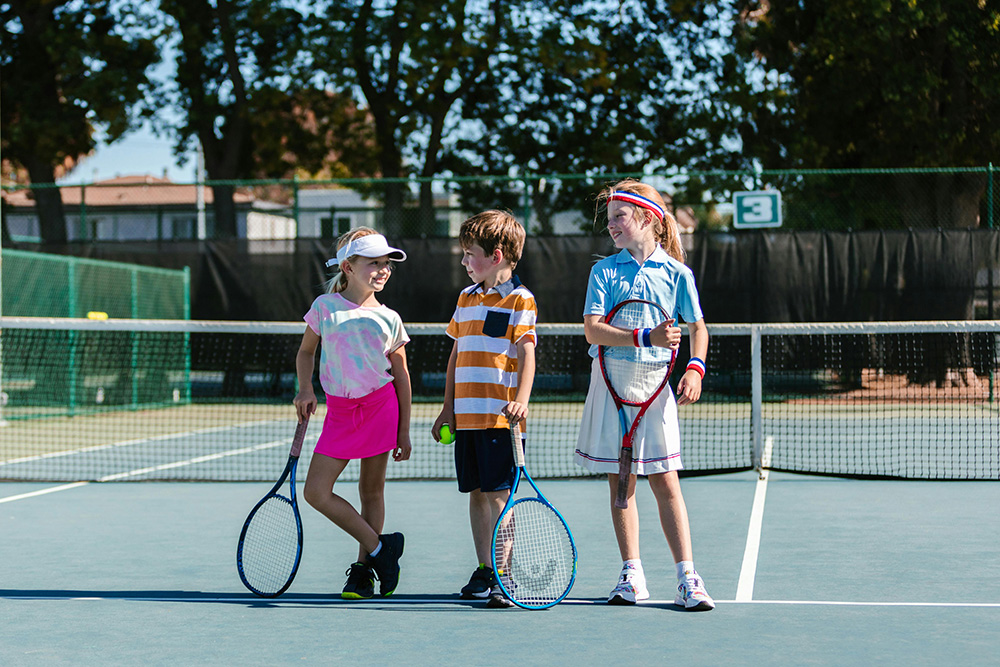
270 547
534 555
635 377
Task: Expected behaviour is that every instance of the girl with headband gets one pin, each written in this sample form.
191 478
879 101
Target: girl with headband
363 372
651 267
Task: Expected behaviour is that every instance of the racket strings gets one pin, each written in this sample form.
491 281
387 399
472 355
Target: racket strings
636 373
535 555
271 546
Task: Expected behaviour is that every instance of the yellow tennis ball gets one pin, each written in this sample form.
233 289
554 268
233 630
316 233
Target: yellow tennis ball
447 437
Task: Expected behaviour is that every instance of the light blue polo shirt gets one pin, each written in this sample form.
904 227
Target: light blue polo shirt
661 279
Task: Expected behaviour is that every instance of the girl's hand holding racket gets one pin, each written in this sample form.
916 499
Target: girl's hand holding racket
305 404
665 334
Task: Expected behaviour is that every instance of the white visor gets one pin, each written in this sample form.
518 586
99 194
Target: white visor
373 245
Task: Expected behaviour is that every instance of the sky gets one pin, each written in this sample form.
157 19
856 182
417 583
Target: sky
138 153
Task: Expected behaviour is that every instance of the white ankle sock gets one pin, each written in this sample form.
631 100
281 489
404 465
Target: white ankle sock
685 567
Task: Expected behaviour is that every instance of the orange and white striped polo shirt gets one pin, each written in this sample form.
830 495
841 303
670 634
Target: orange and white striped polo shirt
486 328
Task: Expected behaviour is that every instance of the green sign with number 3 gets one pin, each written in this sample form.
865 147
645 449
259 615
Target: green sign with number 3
760 208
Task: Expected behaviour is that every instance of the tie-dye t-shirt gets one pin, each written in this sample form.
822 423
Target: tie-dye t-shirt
354 345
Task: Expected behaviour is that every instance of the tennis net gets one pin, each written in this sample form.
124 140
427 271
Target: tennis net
111 400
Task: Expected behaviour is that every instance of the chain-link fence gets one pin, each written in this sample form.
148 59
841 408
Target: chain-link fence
43 285
147 208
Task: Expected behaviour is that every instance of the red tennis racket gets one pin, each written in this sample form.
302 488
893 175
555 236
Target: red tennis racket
635 376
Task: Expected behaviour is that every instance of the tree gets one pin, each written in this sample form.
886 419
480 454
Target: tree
235 59
598 89
311 133
68 67
871 83
412 62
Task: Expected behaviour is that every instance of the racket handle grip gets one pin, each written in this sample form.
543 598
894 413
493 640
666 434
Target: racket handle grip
300 436
624 473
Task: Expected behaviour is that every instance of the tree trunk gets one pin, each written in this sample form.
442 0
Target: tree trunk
48 203
225 212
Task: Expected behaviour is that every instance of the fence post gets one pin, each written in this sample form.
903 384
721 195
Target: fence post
72 371
527 203
83 213
295 202
134 335
989 195
187 336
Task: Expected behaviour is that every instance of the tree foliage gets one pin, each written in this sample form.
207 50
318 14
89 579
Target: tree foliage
869 84
595 88
243 91
233 56
66 68
412 63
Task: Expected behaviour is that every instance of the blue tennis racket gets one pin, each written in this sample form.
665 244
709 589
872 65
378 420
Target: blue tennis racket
270 547
534 556
635 377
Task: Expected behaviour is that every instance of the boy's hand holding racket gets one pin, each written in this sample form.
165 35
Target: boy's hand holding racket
515 412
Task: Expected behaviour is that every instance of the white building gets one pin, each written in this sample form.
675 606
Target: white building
144 208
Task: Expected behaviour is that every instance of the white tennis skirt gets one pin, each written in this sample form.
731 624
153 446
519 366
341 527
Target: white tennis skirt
656 446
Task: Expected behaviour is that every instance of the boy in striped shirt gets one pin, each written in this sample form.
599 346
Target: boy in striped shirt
490 373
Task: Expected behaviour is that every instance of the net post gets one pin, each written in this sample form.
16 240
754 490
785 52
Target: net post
990 314
756 398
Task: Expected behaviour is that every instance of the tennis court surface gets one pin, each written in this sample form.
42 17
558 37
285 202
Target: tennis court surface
879 554
845 571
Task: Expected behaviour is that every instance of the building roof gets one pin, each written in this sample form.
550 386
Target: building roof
128 192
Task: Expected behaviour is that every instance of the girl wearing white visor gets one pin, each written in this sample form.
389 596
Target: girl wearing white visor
363 373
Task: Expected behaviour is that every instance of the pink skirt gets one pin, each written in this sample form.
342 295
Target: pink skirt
357 428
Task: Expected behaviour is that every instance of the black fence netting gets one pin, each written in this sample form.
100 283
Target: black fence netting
748 276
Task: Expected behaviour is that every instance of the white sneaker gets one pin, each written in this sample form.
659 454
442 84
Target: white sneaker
631 587
691 594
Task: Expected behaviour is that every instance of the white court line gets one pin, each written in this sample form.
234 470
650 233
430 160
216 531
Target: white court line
143 471
402 601
748 571
137 441
195 460
845 603
42 492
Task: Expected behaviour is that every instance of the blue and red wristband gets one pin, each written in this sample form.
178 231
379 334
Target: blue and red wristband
697 365
640 338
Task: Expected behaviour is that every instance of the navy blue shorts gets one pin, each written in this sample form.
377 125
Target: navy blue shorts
483 460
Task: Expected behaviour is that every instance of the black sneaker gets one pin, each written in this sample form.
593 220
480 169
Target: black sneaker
479 585
360 583
498 600
386 564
